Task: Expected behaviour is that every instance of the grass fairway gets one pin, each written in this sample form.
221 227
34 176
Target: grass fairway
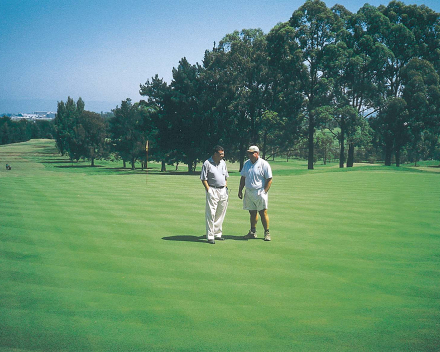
105 259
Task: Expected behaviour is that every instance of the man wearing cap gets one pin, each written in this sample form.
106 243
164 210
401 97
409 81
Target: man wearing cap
256 176
214 178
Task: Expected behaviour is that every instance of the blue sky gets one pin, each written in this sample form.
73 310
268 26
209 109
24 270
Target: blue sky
102 50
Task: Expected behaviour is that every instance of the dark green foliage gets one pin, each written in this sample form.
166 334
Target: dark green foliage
128 131
80 133
13 131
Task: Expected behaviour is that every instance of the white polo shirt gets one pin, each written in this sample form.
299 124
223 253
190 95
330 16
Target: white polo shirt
216 175
256 174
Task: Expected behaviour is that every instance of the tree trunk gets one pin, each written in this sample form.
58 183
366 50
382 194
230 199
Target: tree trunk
310 142
190 166
397 153
241 157
163 167
124 164
350 159
342 152
388 152
133 164
264 145
342 147
93 162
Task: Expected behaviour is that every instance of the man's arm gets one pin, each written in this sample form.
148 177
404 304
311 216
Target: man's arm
268 184
240 188
205 184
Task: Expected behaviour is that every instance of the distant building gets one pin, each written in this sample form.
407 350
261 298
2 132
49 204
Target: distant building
37 115
45 114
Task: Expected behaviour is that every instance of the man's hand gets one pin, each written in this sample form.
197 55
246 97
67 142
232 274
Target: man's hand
240 193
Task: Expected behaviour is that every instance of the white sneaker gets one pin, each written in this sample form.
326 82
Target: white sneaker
266 236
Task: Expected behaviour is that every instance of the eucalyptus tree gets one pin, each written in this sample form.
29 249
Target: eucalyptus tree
418 76
408 32
127 134
354 63
424 25
422 95
241 57
287 72
315 31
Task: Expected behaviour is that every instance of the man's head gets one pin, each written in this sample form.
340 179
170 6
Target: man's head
253 153
218 153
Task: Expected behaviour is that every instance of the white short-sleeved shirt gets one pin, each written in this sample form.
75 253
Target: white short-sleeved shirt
216 175
256 174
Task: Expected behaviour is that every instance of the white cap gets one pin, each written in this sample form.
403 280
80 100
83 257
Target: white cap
253 148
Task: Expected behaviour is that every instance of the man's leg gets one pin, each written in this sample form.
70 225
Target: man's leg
253 215
210 209
222 205
264 219
265 222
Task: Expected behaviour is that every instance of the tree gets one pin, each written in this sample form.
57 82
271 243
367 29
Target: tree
358 59
408 32
422 94
391 124
91 135
185 112
127 133
316 28
239 67
324 145
79 133
158 102
65 121
5 130
286 74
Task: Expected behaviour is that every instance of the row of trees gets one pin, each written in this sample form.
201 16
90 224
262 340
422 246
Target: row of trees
369 78
14 131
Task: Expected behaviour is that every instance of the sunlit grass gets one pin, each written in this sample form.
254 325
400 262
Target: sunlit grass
104 259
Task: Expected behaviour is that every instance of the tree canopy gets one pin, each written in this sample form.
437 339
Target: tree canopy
370 79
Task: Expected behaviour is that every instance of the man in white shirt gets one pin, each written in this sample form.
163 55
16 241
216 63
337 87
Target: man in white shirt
214 178
256 176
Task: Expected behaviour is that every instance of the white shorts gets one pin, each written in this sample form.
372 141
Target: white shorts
255 199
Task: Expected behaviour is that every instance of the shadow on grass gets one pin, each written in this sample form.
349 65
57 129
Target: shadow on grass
57 161
201 239
186 238
77 166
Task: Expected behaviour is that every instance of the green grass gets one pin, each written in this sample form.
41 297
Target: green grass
107 259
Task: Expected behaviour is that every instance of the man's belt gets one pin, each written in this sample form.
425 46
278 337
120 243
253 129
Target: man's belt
217 187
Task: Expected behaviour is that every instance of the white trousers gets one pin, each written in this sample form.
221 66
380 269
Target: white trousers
216 205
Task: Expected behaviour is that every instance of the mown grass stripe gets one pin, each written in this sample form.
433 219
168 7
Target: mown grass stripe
99 259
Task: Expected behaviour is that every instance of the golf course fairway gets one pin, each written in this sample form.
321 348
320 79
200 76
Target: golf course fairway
110 259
